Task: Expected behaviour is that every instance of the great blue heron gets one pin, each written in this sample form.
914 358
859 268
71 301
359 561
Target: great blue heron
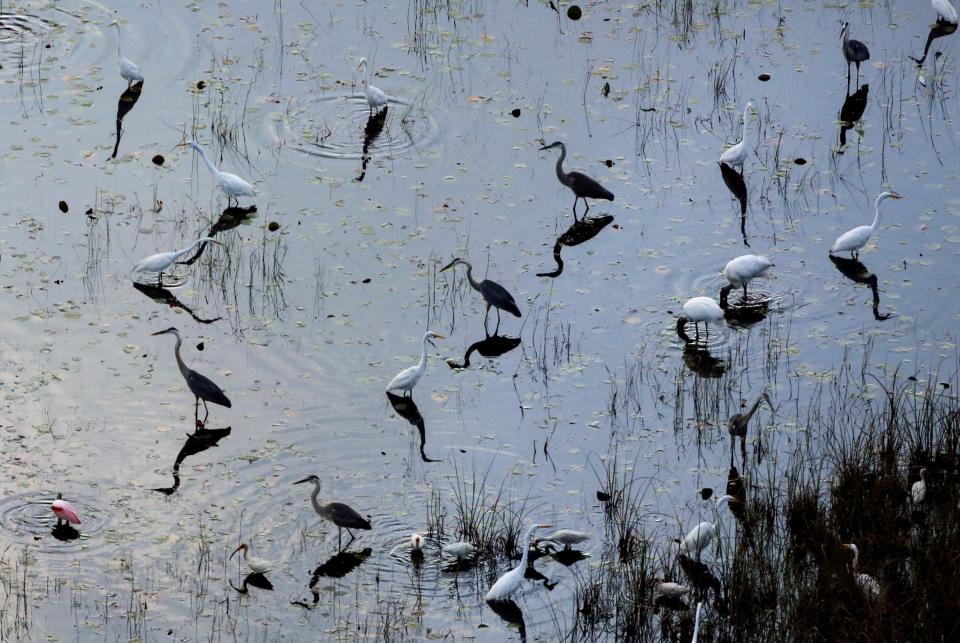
256 565
867 583
582 186
493 293
510 582
737 154
853 240
163 260
406 379
376 97
201 386
231 184
854 51
699 309
740 270
128 69
341 515
738 422
698 538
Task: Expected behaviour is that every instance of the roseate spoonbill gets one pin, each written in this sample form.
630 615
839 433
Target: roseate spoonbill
406 379
231 184
201 387
128 69
853 240
416 543
256 565
737 154
854 51
493 294
376 97
163 260
867 583
64 511
341 515
582 186
510 582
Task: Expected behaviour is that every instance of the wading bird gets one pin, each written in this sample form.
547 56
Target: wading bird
256 565
737 424
493 294
201 386
376 97
510 582
668 589
163 260
740 270
582 186
867 583
341 515
918 492
853 240
416 544
698 538
406 379
64 511
128 69
737 154
854 51
460 550
696 310
566 537
946 12
231 184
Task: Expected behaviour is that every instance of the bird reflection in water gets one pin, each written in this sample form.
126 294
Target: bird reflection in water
128 99
492 346
697 357
197 442
747 311
408 410
163 296
64 531
254 579
371 131
857 272
738 187
852 111
229 219
566 556
703 580
582 230
337 566
737 489
940 29
510 612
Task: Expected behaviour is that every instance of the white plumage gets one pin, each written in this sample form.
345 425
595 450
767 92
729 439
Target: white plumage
918 492
945 10
698 309
376 97
853 240
668 589
742 269
867 583
163 260
416 543
737 154
128 69
698 538
460 550
406 379
566 537
231 184
256 565
510 582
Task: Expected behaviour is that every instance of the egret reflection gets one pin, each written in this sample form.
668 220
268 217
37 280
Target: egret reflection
492 346
128 99
230 218
582 230
371 131
852 111
738 188
163 296
511 613
940 29
408 410
197 442
855 271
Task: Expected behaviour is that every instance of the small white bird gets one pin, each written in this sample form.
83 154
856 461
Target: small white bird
918 492
699 309
406 379
566 537
945 11
857 238
128 69
668 589
867 583
737 154
231 184
461 550
510 582
163 260
256 565
416 543
740 270
376 97
698 538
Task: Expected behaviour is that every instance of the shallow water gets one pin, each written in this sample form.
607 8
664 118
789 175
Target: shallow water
310 320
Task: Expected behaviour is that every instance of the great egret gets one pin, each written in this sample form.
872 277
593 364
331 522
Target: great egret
201 387
566 537
493 294
737 424
406 379
918 492
698 538
256 565
341 515
740 270
128 69
163 260
854 51
510 582
737 154
231 184
668 589
853 240
376 97
64 511
582 186
867 583
460 550
699 309
946 12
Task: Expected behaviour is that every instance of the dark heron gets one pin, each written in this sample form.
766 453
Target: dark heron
737 424
854 51
201 387
493 293
338 513
583 186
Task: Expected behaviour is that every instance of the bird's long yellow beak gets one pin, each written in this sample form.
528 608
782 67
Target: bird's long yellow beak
894 195
181 144
439 337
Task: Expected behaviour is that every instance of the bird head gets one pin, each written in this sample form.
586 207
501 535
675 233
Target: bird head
207 240
430 335
890 195
552 145
767 399
191 143
172 330
453 263
541 526
416 542
242 547
114 23
310 478
853 548
844 28
924 473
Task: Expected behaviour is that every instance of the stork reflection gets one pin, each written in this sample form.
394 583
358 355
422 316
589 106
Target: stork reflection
857 272
738 188
697 357
747 311
229 219
371 131
253 579
582 230
852 111
940 29
492 346
408 410
197 442
161 295
128 99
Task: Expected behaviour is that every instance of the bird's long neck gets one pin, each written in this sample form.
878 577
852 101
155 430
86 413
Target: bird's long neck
423 352
213 168
189 248
475 284
119 42
315 497
560 173
746 132
176 351
526 547
753 409
846 37
876 215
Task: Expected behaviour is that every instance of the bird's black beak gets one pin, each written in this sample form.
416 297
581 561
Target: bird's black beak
307 479
162 332
235 551
545 147
449 265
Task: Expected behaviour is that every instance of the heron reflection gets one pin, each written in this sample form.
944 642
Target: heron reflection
492 346
163 296
371 131
197 442
738 188
337 566
855 271
582 230
852 111
128 99
230 218
408 410
511 613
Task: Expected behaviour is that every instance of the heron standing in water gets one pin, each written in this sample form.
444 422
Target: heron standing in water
854 240
854 51
406 379
341 515
376 97
510 582
493 293
738 422
163 260
231 184
582 186
201 386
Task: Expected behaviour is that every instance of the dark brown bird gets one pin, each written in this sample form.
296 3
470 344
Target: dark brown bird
737 425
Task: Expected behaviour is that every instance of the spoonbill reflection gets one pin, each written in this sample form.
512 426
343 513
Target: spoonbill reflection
341 515
510 582
853 240
406 379
582 186
162 260
256 565
231 184
201 386
493 294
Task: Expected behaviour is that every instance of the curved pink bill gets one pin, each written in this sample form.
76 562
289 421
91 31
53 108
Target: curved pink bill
65 511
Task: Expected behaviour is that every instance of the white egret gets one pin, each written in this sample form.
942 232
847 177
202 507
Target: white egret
461 550
853 240
945 11
406 379
698 538
128 69
341 515
256 565
582 186
740 270
867 583
737 154
854 51
668 589
510 582
376 97
231 184
918 492
699 309
163 260
566 537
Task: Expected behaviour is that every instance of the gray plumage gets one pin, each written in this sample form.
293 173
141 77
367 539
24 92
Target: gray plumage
493 293
341 515
201 386
582 186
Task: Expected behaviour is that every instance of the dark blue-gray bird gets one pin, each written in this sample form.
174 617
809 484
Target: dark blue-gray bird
493 293
341 515
583 186
201 386
854 51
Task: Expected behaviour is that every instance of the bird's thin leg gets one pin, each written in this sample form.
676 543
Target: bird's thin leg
587 203
743 449
497 329
339 539
352 537
744 292
733 440
196 410
486 314
575 199
848 79
160 279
